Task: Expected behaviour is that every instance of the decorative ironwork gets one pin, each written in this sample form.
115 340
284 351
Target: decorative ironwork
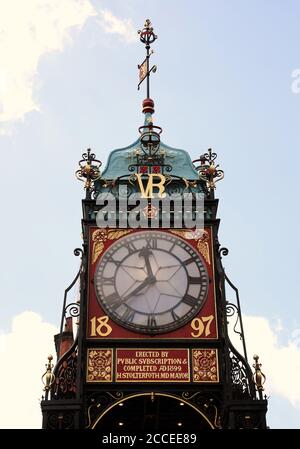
72 309
78 252
209 404
258 377
223 252
208 171
89 170
48 377
239 320
147 37
98 402
241 376
149 159
231 308
65 374
59 420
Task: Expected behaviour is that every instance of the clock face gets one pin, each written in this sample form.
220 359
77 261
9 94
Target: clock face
151 282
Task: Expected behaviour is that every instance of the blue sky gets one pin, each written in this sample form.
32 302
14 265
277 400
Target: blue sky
68 81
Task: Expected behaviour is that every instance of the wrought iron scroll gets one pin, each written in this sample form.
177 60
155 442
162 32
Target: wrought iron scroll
207 403
65 374
98 403
241 375
232 309
71 309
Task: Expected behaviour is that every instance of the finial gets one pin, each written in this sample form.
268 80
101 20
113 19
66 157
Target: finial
208 171
89 170
48 377
258 377
147 37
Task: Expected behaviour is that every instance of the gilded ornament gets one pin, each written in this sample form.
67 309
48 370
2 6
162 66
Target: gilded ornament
99 365
201 236
205 366
100 236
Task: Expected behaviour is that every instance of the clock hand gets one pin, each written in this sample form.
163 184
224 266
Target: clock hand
140 287
145 252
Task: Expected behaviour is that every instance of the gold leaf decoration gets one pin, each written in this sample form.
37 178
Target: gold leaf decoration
200 235
189 235
99 365
99 237
203 248
113 235
97 250
102 235
205 365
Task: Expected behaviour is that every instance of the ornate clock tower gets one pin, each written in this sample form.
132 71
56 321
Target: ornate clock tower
152 350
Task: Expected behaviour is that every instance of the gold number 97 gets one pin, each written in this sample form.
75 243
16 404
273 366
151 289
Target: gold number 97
200 325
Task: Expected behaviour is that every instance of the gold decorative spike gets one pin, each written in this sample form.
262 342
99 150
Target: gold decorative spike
258 376
48 377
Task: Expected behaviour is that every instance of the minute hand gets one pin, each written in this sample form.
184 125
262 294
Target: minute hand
140 287
146 253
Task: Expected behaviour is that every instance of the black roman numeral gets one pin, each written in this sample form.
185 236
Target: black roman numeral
193 280
108 281
151 242
175 316
189 300
113 300
128 315
130 247
151 322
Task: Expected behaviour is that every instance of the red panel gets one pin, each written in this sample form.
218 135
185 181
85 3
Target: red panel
100 327
152 365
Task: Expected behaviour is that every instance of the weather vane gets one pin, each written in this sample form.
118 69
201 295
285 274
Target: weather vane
147 37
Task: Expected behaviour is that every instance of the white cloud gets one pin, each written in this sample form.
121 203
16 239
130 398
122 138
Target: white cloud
23 355
113 25
280 363
32 28
28 30
24 351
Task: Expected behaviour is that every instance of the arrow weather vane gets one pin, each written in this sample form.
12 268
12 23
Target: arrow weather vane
147 37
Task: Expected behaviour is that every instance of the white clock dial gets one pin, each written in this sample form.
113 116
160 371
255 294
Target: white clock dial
151 282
